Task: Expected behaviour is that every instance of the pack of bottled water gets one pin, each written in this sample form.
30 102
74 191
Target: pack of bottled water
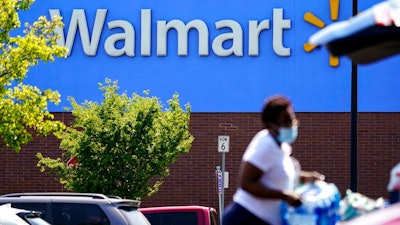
320 205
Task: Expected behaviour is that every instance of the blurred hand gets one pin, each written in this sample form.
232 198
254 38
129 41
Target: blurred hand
318 176
311 176
293 199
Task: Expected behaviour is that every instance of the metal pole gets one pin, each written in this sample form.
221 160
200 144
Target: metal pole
353 136
223 147
354 112
219 180
223 185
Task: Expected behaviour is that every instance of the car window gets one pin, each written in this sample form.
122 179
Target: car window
214 217
37 207
133 216
35 220
82 214
172 218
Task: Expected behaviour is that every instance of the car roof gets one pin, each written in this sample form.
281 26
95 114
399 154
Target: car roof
7 208
69 197
176 208
68 194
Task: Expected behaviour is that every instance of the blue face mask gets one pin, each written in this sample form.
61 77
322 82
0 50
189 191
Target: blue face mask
287 134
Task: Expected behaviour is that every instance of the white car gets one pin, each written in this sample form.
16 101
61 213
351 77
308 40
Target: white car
13 216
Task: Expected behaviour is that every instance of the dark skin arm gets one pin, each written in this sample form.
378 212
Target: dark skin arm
250 182
307 176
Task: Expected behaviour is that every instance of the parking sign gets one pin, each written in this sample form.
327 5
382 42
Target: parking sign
223 143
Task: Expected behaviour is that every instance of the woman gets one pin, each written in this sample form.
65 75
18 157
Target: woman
267 173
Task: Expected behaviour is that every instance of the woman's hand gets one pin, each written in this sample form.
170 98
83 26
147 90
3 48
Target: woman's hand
292 199
306 177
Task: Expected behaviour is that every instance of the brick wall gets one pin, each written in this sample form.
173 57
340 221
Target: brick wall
323 145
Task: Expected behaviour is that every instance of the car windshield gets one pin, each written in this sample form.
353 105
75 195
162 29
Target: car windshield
166 218
33 218
37 221
133 216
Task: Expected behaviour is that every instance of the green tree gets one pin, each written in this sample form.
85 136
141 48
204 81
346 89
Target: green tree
24 108
123 146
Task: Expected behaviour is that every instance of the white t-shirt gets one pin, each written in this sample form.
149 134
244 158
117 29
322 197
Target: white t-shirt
279 174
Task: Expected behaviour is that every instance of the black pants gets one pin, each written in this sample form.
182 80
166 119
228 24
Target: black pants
235 214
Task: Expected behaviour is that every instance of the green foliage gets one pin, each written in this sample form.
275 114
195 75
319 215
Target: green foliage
23 108
124 145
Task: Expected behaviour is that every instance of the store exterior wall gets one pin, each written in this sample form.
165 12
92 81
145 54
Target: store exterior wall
323 145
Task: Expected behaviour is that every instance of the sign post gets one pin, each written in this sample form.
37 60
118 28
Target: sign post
220 188
223 147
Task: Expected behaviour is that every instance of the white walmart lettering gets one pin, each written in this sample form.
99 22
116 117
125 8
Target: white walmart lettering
90 44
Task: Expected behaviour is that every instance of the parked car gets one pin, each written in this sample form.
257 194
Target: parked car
386 216
13 216
67 208
181 215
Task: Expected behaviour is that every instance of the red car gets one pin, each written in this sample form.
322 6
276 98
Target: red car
185 215
386 216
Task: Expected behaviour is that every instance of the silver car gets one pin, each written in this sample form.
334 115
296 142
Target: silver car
66 208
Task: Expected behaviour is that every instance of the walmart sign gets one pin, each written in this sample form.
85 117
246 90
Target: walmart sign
219 56
90 44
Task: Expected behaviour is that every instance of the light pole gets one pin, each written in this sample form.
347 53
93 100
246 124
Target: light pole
354 112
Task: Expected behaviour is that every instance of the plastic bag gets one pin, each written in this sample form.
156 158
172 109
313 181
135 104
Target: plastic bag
356 204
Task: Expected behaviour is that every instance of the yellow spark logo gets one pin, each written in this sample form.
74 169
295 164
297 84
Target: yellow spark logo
314 20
